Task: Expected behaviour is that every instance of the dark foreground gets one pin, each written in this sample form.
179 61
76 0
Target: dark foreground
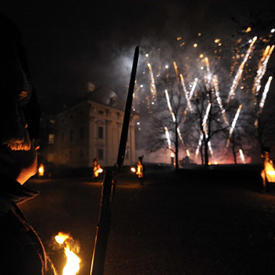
193 222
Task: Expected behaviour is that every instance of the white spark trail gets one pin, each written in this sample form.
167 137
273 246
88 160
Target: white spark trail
262 102
169 105
180 136
266 89
242 156
216 87
233 124
240 71
186 93
152 85
262 69
168 137
204 124
193 88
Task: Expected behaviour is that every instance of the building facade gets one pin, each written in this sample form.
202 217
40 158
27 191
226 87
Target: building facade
91 130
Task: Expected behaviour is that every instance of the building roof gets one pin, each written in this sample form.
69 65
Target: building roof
107 97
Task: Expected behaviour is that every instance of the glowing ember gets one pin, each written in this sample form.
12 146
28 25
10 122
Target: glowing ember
41 170
72 265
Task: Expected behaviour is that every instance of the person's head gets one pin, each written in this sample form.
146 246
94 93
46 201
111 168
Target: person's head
19 109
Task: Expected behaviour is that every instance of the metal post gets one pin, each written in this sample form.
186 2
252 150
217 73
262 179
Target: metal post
124 131
108 188
103 227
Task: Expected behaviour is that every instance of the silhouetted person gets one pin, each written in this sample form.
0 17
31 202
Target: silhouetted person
22 251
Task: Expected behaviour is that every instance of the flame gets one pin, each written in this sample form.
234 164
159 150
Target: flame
72 265
269 171
139 171
133 169
41 170
97 170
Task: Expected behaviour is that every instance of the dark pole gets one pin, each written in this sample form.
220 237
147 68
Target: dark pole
108 187
103 226
125 126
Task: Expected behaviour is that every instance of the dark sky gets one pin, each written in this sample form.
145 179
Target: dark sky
72 42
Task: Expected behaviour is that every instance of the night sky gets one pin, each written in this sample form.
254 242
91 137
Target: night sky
72 42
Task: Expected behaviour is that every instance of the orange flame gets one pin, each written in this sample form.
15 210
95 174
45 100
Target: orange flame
41 170
269 171
72 265
97 170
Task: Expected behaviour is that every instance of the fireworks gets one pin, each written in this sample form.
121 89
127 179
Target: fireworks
185 93
168 137
240 71
233 125
153 85
262 69
266 89
169 106
188 76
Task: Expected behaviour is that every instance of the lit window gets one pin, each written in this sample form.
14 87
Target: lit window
51 139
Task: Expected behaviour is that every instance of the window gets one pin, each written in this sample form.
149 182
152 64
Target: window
100 112
51 139
100 154
100 132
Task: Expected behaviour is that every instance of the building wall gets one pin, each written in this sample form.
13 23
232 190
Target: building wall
91 130
71 146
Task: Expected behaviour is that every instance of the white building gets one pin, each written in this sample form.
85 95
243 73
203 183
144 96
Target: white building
91 129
